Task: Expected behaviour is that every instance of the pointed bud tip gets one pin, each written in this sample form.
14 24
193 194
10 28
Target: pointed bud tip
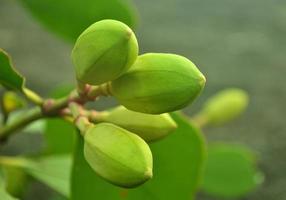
149 173
129 33
202 80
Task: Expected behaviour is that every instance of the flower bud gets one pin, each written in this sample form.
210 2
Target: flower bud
11 102
225 106
104 51
158 83
147 126
118 155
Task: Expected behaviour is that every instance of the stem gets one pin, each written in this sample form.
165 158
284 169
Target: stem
200 120
49 108
30 116
35 114
81 121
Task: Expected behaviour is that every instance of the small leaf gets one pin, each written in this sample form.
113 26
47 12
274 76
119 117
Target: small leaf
68 18
4 195
9 77
230 171
178 162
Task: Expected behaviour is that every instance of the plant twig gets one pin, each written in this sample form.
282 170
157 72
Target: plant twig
49 108
81 120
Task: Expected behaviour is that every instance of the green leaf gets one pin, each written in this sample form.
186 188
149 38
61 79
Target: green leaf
59 134
9 77
230 171
4 195
68 18
54 171
178 163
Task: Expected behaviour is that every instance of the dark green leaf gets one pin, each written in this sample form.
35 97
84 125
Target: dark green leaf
68 18
60 136
9 77
230 171
178 162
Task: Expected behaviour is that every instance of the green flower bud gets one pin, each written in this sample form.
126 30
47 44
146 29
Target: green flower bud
224 106
147 126
158 83
118 155
11 102
104 51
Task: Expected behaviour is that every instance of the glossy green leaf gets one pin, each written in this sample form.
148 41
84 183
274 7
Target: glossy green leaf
59 134
54 171
68 18
4 195
230 171
178 163
9 77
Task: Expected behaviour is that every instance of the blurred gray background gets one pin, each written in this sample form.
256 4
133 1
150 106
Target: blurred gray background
234 43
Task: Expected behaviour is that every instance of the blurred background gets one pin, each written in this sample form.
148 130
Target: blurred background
234 43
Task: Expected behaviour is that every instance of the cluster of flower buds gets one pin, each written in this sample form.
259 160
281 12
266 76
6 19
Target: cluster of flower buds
147 86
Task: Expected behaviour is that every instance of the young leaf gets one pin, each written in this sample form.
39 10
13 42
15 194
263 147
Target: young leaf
230 171
178 162
68 18
3 193
9 77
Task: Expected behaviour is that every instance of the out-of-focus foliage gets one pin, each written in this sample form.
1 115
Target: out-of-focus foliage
230 171
54 171
68 18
